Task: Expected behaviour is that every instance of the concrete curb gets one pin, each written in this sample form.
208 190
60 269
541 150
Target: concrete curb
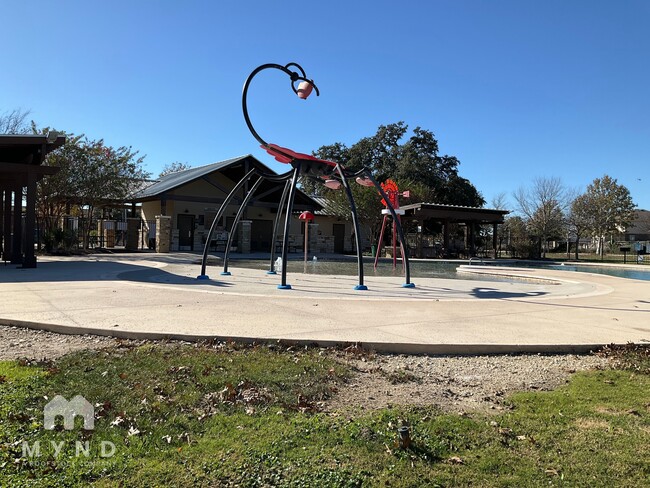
381 347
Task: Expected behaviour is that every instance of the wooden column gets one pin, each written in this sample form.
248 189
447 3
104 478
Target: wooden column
419 234
16 244
29 261
445 236
6 228
472 241
495 241
2 220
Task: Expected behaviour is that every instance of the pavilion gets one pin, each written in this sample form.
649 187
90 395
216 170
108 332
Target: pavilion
21 158
471 217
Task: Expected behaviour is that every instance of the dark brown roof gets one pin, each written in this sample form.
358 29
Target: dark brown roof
21 155
455 213
27 149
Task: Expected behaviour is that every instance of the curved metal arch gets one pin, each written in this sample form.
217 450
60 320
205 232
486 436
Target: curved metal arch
220 212
285 69
287 225
240 212
355 223
253 172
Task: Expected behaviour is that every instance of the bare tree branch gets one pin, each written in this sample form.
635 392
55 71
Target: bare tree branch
14 122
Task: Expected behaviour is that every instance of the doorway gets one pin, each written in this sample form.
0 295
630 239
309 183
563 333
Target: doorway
339 238
185 232
261 235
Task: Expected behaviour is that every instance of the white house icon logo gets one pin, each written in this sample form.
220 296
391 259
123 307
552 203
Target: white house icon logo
59 406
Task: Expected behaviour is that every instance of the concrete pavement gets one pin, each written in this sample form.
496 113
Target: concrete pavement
154 296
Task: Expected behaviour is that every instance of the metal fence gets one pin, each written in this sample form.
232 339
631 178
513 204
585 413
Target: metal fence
72 232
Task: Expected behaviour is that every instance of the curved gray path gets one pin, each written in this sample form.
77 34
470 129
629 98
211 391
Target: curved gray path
154 296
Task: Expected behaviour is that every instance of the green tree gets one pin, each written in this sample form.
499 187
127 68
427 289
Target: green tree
54 197
109 176
337 152
92 176
379 153
415 165
610 207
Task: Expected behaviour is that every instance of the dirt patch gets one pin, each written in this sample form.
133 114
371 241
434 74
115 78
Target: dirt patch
455 384
591 424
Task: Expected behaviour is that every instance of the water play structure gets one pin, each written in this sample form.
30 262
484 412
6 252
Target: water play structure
391 189
329 173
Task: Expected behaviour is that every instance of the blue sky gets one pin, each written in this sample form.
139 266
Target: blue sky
514 89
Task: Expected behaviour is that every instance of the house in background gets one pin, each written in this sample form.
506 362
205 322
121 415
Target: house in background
192 198
638 232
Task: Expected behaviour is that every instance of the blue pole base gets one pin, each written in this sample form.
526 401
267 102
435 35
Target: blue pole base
408 285
271 272
360 287
202 277
225 273
284 287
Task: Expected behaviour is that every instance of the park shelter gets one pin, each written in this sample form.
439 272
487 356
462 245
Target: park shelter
470 217
21 158
191 199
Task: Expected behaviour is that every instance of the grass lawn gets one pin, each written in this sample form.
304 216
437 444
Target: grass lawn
183 415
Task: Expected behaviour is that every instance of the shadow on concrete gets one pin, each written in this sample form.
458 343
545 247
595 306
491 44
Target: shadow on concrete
497 294
494 293
62 271
156 275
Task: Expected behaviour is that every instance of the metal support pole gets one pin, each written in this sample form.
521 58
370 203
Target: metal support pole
276 221
287 224
306 241
222 209
240 212
355 222
395 244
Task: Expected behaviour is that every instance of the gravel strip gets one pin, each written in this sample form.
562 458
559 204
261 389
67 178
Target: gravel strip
455 384
19 342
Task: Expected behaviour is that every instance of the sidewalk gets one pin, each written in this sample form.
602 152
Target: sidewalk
154 296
